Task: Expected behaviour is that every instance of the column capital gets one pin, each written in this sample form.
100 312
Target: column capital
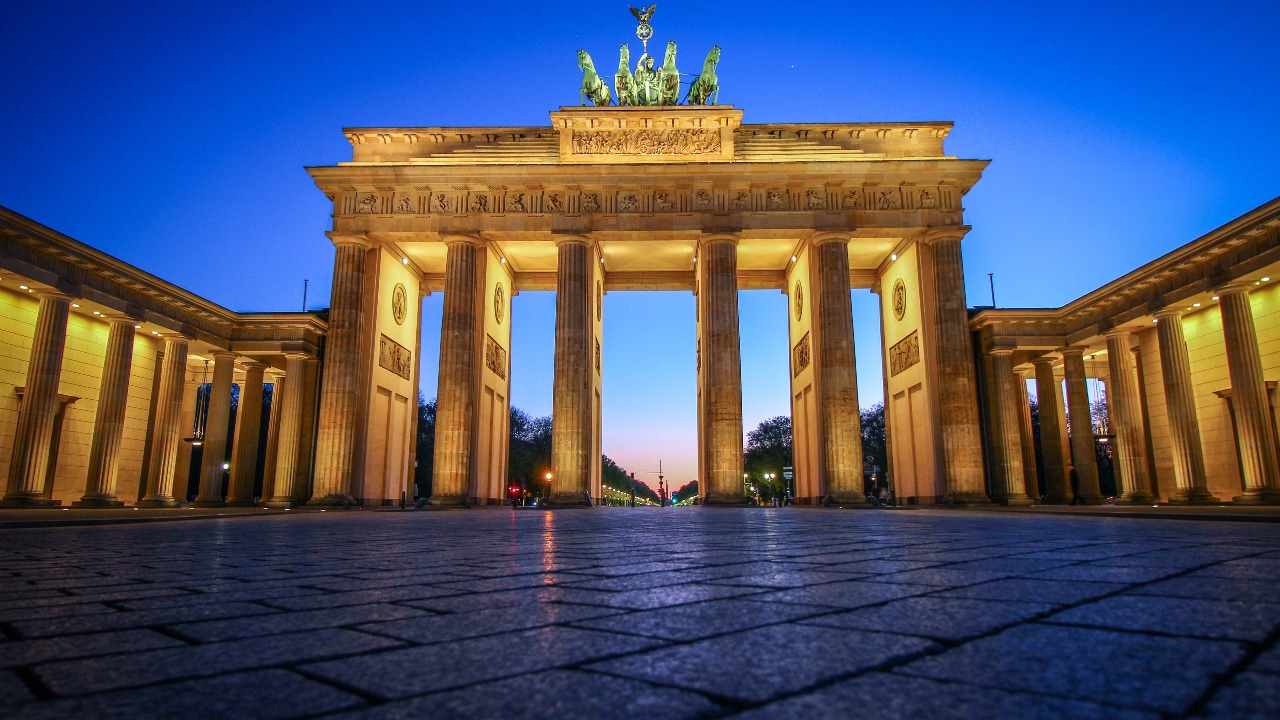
1045 360
121 319
1235 287
253 365
223 354
1168 313
563 238
1117 332
710 238
52 294
1072 350
1000 352
471 240
341 239
953 232
296 356
823 238
274 374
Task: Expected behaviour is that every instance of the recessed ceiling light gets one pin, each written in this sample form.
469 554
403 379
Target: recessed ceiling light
502 260
75 304
1195 304
1266 279
793 258
601 261
137 327
1215 297
23 287
95 312
893 256
404 261
153 332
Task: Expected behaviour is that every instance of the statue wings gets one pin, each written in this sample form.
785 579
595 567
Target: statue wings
643 15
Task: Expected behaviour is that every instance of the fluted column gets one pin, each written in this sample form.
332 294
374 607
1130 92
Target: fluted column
458 385
167 430
276 378
215 432
1084 454
1254 431
722 374
957 388
340 391
1180 403
244 454
1049 401
287 456
1010 428
571 419
1029 473
108 424
34 433
1132 480
838 382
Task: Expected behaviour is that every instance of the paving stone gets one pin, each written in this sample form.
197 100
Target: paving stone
401 593
665 596
457 626
882 696
13 692
935 617
941 576
699 620
257 694
751 666
1091 573
787 579
29 652
1028 590
1243 569
1211 587
553 694
77 677
1176 616
231 629
850 594
1268 661
418 670
144 618
1249 696
1131 670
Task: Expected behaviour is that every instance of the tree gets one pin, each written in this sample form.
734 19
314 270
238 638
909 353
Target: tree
768 450
426 446
688 490
875 449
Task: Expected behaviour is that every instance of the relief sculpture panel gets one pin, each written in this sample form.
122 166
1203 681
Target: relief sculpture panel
395 357
904 353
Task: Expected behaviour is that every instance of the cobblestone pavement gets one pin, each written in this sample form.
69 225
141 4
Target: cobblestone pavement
642 613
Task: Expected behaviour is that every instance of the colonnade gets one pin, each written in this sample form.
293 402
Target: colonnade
33 446
1253 421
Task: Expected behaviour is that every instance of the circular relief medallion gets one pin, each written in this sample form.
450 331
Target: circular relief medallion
899 299
799 300
499 303
399 303
599 301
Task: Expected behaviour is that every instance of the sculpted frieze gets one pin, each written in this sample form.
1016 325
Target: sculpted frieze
647 142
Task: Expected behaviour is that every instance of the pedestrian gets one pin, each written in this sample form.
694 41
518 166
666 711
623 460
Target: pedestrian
1075 485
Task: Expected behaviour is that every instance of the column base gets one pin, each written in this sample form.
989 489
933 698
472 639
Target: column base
1056 500
107 501
277 504
966 500
240 503
1258 496
207 504
1193 497
447 502
569 500
1018 500
1136 499
28 501
327 501
726 500
158 502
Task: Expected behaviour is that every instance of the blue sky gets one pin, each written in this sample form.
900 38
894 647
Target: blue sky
174 137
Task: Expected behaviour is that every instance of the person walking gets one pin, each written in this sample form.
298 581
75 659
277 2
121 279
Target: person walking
1075 485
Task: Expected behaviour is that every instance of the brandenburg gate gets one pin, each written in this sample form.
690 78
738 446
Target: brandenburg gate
646 197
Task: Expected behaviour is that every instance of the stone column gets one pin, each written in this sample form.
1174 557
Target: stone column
244 454
215 431
340 391
1084 454
722 370
166 433
1049 399
459 378
1255 433
1132 480
571 418
957 388
287 455
276 378
1180 403
34 433
1030 476
838 384
108 424
1009 427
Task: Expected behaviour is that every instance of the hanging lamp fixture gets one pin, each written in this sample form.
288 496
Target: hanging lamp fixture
202 403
